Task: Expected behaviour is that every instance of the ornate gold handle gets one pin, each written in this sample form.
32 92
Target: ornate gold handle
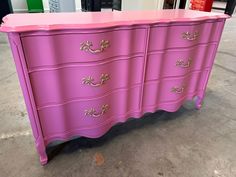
93 113
183 64
86 46
89 80
178 90
190 37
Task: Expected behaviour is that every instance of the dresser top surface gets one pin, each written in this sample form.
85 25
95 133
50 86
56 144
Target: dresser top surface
84 20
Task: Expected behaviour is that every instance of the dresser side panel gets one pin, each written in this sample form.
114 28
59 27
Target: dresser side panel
219 34
18 55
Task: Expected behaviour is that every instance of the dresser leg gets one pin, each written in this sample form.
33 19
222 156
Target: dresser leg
42 153
43 158
198 102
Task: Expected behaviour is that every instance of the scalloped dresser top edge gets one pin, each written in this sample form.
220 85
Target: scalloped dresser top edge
84 20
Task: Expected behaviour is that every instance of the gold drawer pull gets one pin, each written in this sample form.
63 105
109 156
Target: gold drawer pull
183 64
190 37
93 113
89 80
86 46
177 90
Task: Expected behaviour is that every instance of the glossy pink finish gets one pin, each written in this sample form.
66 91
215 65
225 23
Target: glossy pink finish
58 89
123 42
81 20
197 57
142 61
192 83
76 120
172 36
21 68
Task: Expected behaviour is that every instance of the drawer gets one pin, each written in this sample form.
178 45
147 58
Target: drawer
58 85
178 62
75 117
173 89
184 35
62 48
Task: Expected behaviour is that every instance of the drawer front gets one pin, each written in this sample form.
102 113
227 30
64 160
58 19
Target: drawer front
85 81
185 35
72 118
178 62
173 89
57 49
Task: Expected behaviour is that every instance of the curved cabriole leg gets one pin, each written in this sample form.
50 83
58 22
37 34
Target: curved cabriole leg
43 158
42 153
198 102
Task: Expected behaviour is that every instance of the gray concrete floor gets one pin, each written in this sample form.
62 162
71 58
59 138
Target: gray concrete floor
187 143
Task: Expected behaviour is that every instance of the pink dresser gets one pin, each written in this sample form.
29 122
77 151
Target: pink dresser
81 73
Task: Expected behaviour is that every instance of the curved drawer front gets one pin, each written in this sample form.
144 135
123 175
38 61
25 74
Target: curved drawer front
84 81
173 89
184 35
46 50
70 119
179 62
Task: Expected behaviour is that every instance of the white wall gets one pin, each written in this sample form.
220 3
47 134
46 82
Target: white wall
21 5
142 4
